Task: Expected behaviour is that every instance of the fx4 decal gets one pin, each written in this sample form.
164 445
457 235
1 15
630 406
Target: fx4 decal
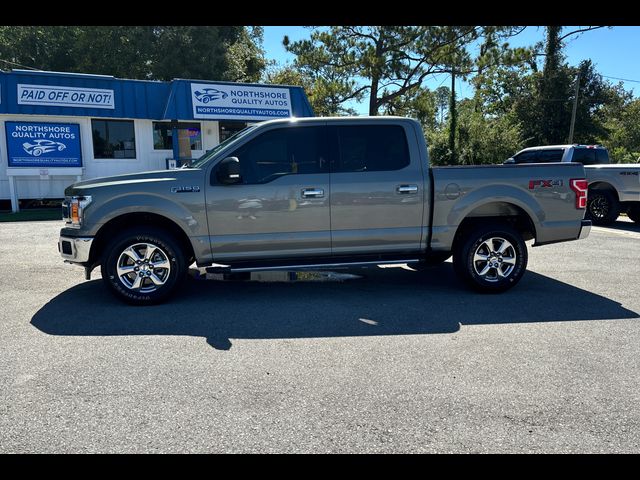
544 184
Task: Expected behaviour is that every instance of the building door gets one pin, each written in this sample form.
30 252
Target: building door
189 139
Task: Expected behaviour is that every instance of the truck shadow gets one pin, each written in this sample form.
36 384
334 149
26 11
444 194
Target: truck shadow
391 301
624 225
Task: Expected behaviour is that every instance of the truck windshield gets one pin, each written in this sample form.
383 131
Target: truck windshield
211 153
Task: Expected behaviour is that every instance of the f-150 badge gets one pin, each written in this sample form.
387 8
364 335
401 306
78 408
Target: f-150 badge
194 188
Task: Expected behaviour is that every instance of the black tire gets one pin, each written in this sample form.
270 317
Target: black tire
168 252
602 207
498 279
433 259
634 213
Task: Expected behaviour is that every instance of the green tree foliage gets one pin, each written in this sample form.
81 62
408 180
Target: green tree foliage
321 96
623 126
142 52
385 63
479 138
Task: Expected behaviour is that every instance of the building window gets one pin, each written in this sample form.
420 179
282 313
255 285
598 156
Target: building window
187 132
230 128
113 139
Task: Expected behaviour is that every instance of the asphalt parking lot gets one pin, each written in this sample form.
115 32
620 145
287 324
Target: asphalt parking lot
394 361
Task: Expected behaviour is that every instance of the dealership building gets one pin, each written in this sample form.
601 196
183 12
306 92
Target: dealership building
59 128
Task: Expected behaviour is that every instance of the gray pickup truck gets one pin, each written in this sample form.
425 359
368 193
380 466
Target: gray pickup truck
613 188
319 193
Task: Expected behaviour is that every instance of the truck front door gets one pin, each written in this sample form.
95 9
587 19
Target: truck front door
280 206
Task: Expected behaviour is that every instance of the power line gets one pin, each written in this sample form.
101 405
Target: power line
623 79
17 64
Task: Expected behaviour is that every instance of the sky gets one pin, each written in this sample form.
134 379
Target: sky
614 52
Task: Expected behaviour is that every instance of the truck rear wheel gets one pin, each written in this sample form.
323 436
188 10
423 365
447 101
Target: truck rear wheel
143 266
602 207
491 259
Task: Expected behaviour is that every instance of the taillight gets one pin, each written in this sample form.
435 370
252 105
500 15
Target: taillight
580 186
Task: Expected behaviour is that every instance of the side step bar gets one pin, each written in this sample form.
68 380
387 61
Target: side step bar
314 266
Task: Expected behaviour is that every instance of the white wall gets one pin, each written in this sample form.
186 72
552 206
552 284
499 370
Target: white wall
146 157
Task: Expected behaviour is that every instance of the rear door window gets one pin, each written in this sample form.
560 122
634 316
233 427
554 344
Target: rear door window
540 156
371 148
526 157
550 156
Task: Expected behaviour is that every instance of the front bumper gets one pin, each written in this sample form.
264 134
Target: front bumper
75 249
585 229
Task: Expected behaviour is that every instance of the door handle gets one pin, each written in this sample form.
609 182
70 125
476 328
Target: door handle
312 192
405 189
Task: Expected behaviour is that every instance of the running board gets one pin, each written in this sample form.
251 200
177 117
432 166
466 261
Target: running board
315 266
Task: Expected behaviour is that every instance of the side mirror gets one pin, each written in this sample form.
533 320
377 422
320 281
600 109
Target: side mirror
509 161
228 171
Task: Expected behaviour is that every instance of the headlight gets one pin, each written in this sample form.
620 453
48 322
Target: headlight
73 210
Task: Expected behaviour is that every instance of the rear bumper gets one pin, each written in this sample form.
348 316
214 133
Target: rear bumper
585 229
75 249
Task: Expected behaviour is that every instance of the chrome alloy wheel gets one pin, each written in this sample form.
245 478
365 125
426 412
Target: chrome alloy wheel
143 267
494 259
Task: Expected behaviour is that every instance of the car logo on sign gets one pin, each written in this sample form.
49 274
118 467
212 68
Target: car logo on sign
207 95
38 147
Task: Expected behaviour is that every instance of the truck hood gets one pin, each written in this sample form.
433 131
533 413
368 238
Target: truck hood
135 180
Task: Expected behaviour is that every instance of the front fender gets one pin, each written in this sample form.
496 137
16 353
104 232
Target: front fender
188 214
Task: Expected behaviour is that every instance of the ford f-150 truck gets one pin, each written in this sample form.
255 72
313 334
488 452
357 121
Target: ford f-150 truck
319 193
613 188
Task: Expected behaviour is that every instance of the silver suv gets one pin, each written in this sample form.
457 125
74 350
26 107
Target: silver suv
585 154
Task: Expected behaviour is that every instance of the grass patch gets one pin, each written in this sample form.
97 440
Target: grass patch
32 215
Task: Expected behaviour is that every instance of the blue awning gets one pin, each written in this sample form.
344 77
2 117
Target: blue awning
29 92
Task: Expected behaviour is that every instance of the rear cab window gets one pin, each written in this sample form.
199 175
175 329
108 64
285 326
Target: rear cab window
586 156
602 156
590 156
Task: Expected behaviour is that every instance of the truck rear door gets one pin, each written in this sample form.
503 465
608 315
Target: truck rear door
377 189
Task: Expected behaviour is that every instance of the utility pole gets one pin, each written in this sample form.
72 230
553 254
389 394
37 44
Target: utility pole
452 118
575 107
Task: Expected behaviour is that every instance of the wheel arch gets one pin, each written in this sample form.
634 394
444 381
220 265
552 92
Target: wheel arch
137 219
602 185
497 212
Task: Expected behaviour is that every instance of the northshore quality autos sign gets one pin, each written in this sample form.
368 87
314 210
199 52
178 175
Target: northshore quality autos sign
40 144
242 102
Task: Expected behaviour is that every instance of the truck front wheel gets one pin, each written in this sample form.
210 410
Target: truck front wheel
143 266
491 258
